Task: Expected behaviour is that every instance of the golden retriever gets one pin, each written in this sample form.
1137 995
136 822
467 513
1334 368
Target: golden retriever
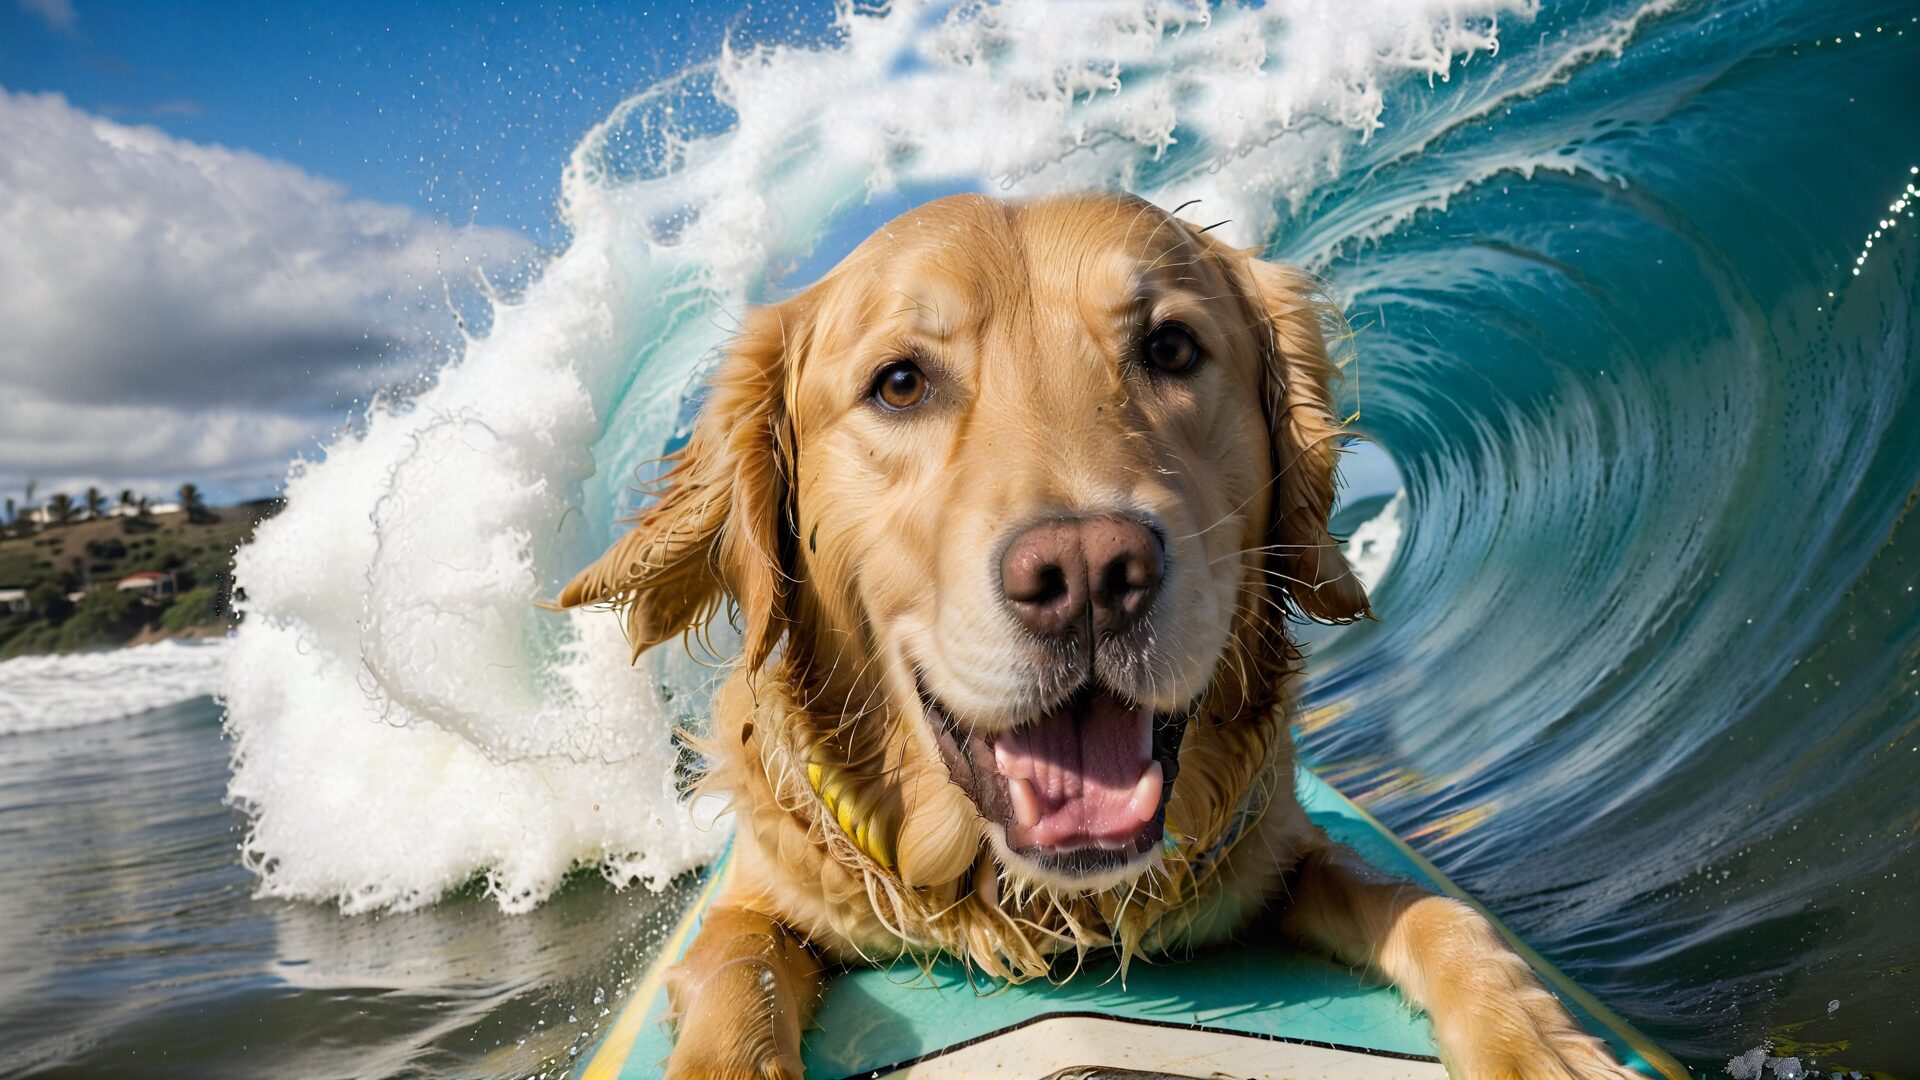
1013 507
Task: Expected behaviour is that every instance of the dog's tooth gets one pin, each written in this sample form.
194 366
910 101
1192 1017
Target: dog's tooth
1002 758
1026 805
1146 793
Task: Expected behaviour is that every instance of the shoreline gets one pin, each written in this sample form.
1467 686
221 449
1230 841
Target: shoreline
154 635
110 581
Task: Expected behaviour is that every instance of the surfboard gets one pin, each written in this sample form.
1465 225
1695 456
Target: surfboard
1243 1010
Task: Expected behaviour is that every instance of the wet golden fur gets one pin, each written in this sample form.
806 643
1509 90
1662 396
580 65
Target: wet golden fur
853 544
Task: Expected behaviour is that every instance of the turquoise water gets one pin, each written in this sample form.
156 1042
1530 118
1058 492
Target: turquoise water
1647 673
1649 659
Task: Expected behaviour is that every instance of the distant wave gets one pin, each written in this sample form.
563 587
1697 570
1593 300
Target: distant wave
1371 548
41 693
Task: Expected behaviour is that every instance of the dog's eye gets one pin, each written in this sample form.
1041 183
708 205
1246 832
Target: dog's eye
1170 348
900 385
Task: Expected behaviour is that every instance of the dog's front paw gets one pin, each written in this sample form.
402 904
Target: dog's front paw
1524 1035
745 1042
693 1061
1538 1061
741 996
736 1020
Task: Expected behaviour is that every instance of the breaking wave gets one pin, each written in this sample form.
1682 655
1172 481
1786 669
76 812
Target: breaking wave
42 693
1635 286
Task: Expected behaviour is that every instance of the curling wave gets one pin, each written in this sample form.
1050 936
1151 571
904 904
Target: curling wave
1636 291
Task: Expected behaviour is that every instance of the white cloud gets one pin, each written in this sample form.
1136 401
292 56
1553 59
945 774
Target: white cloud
57 14
173 311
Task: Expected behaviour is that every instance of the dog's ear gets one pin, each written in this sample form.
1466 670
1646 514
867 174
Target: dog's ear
1307 432
720 527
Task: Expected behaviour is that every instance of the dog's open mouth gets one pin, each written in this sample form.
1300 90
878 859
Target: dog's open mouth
1080 790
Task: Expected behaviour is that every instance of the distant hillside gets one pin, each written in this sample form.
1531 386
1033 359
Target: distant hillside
70 576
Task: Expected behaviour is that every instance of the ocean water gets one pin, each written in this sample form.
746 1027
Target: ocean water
1636 291
133 942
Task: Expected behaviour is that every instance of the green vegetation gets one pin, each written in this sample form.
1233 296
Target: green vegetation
195 507
103 617
195 607
71 568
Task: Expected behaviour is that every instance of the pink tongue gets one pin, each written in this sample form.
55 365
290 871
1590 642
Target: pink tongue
1082 775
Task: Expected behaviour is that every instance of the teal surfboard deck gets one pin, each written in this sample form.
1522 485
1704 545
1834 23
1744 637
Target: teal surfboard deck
1264 1003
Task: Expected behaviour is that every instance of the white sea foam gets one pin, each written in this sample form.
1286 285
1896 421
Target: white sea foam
1375 541
41 693
405 718
1757 1062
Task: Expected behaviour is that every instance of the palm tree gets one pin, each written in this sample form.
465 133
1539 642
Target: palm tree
126 501
61 508
192 503
96 504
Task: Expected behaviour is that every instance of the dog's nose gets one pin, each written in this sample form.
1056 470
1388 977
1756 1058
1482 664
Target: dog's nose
1103 571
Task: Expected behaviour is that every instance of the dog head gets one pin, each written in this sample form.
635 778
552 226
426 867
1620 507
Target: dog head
1018 489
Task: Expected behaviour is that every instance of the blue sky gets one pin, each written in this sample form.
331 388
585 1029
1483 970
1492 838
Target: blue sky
463 111
224 225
